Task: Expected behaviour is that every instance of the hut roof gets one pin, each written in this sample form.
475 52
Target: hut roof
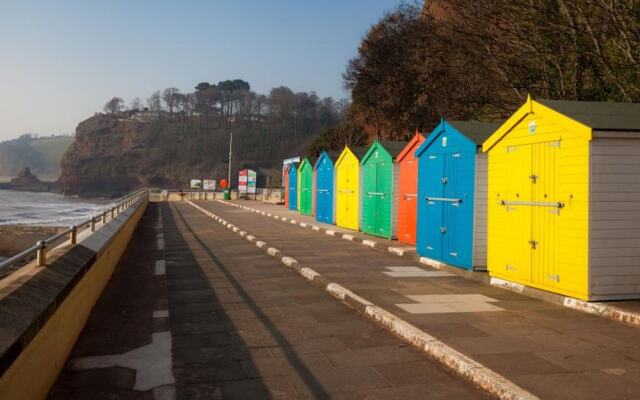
359 151
394 147
599 115
476 131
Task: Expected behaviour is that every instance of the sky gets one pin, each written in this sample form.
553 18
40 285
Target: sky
60 61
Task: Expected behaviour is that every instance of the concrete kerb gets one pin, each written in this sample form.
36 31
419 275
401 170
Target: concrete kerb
602 310
369 243
272 251
467 368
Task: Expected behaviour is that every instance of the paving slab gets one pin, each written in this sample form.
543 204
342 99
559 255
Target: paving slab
548 335
242 326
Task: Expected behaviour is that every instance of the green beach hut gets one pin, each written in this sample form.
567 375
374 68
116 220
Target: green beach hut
305 187
379 187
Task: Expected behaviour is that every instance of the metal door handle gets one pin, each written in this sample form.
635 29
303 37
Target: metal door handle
443 229
447 199
533 244
557 204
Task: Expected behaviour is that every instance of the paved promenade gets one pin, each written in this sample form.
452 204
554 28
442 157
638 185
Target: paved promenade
551 351
195 312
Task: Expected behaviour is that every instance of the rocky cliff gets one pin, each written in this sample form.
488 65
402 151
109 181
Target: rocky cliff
113 154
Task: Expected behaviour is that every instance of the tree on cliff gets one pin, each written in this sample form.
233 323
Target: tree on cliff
154 102
136 104
114 105
479 59
171 97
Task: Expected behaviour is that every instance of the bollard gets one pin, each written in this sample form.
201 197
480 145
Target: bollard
93 224
113 212
104 217
73 235
42 253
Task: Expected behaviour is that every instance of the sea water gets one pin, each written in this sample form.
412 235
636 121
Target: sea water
46 209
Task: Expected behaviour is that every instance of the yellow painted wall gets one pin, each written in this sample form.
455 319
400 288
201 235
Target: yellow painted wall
347 172
558 153
34 372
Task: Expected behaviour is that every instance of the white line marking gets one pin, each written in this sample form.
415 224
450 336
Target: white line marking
161 267
167 392
160 243
161 314
152 362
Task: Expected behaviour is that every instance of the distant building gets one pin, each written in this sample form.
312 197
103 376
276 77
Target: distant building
146 116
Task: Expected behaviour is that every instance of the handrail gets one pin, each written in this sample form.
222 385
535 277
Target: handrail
40 248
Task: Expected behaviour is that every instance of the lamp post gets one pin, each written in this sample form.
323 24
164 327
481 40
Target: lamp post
229 174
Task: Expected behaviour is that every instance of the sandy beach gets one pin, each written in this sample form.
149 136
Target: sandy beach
15 238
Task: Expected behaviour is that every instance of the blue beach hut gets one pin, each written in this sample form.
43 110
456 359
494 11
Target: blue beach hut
324 188
293 187
452 194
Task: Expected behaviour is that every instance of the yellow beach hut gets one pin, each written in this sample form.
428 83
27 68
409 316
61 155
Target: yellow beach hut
564 199
347 181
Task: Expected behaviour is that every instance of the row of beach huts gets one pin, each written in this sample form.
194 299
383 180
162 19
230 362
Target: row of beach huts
549 199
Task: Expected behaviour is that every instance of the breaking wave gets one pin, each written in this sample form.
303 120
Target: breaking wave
48 209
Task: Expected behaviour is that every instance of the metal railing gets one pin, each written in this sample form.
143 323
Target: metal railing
40 248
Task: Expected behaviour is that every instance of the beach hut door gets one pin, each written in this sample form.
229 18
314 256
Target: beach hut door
321 190
383 202
531 209
371 197
518 214
451 204
434 230
324 192
545 212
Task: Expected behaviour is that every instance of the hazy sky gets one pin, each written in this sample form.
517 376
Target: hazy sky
60 61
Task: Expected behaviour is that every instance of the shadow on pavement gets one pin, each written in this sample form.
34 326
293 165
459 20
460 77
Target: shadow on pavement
208 354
